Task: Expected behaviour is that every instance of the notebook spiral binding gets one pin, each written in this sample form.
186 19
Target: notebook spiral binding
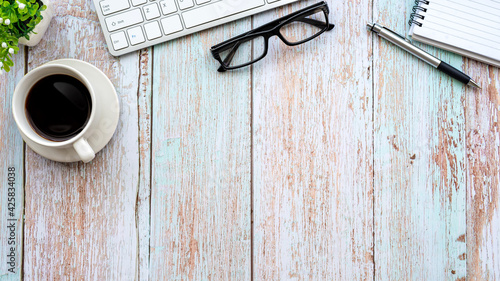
415 13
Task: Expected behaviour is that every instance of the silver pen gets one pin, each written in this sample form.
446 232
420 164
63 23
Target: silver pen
405 44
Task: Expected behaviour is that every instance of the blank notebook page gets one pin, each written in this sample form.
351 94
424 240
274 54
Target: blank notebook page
470 28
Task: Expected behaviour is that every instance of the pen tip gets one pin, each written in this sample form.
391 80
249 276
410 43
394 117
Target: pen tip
370 25
474 84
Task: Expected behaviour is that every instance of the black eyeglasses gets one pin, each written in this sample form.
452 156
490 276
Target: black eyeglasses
294 29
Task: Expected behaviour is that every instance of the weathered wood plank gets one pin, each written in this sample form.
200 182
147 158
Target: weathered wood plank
312 126
81 218
483 174
420 179
11 152
200 197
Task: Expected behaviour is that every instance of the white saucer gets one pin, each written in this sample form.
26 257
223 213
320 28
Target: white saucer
106 94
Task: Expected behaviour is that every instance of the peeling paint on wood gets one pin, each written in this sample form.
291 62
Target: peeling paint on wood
420 160
200 194
313 174
81 218
11 155
483 175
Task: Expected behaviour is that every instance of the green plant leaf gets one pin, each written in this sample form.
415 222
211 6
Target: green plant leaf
22 23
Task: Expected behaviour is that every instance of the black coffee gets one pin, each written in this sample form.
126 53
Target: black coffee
58 107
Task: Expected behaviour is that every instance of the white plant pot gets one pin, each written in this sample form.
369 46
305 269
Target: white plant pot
40 28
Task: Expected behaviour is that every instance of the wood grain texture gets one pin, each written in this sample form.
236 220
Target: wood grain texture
483 175
420 179
11 155
200 197
312 130
81 218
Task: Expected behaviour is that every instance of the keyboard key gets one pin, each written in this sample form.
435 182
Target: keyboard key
151 11
168 7
124 20
135 35
139 2
113 6
218 10
152 30
119 41
171 24
199 2
184 4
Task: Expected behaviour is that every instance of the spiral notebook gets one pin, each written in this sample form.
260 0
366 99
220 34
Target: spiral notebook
469 28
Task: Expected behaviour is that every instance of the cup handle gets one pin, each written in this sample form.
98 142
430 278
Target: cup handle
84 150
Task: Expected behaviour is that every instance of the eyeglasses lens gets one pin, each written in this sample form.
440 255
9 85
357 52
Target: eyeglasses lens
243 52
302 29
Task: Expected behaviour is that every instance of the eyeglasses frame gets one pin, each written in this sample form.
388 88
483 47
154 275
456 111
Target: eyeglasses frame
267 31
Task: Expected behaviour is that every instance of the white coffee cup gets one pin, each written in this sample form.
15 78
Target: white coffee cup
64 151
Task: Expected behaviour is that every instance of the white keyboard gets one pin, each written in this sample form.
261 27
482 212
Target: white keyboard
131 25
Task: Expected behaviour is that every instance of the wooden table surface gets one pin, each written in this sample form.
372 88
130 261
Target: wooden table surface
341 159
